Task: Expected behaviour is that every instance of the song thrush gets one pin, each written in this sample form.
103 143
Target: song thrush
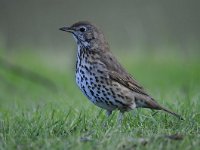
101 77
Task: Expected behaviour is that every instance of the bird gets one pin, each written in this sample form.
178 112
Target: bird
100 76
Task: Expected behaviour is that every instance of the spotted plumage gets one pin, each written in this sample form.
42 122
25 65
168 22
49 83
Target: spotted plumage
101 77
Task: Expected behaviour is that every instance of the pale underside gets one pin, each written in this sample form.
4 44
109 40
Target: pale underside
109 94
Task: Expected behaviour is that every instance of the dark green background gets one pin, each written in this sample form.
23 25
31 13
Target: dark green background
131 24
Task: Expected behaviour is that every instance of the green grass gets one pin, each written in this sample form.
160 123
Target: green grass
34 116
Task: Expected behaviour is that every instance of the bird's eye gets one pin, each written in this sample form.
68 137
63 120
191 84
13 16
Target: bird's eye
82 29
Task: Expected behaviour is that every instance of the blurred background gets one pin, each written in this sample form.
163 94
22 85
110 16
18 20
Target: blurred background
131 24
157 41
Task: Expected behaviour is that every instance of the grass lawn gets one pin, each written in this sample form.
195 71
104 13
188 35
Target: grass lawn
35 115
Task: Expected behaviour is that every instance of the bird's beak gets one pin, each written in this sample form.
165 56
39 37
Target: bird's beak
66 29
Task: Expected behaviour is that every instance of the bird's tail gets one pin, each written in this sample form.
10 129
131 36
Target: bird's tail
171 112
154 105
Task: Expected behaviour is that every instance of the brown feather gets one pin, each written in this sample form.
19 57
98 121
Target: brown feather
95 43
118 74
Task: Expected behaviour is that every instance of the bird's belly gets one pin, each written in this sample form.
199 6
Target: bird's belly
84 85
105 105
93 91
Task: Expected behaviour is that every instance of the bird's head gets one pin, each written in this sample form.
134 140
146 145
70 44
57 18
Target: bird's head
87 34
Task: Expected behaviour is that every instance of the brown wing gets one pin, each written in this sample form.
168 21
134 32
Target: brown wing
119 74
127 82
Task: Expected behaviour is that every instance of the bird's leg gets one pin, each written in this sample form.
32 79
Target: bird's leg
120 118
108 113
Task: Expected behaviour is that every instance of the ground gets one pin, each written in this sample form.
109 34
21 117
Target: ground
36 114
